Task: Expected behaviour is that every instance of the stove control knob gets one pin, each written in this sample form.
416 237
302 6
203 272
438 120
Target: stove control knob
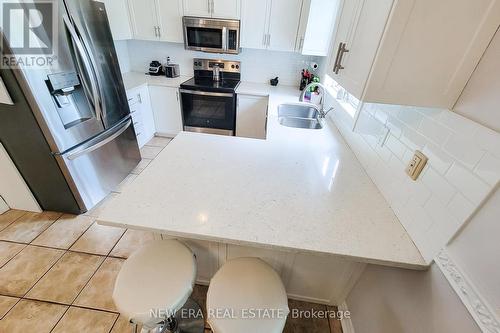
232 66
237 66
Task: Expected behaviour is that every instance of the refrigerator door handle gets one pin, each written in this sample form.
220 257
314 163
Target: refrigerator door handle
96 96
99 141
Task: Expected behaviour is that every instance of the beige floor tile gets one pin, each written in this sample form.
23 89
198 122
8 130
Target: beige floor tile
300 325
98 239
9 217
64 232
28 227
32 316
159 141
141 166
64 281
126 182
130 242
150 152
97 294
122 325
8 251
97 210
78 320
335 324
25 269
7 303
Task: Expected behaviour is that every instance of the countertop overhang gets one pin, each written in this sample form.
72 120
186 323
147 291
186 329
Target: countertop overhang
299 190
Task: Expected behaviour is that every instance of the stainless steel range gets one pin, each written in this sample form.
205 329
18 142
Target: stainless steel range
209 98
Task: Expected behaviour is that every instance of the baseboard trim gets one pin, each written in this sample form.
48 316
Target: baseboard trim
346 323
477 306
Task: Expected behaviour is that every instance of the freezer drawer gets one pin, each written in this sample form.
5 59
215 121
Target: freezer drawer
96 168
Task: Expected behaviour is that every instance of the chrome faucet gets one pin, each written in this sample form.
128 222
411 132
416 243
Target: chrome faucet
322 113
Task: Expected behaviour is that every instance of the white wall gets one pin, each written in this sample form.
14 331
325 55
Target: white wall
3 206
480 101
389 300
257 65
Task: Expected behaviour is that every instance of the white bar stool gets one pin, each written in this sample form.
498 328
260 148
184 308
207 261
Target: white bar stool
246 296
154 284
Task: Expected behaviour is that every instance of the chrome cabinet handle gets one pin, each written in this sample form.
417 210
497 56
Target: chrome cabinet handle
264 37
301 43
159 32
139 98
343 50
80 48
336 64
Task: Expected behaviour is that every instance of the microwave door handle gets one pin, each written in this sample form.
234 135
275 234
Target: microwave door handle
87 67
224 38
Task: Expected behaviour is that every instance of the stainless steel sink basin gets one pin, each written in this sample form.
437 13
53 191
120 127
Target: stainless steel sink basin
300 123
299 116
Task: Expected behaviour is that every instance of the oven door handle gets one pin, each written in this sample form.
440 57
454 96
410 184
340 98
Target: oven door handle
206 93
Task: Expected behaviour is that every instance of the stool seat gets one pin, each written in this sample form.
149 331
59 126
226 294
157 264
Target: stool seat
159 276
243 285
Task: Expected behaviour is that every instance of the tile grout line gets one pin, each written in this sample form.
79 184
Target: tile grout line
15 220
57 219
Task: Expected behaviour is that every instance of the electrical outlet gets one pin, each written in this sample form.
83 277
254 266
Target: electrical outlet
416 165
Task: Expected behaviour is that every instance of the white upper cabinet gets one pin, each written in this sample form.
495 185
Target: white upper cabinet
430 50
157 20
283 24
361 25
170 20
144 19
270 24
119 19
411 52
226 9
254 23
317 22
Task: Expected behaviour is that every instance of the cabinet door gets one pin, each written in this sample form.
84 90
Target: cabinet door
197 8
170 20
321 18
254 23
166 110
119 19
430 50
227 9
363 41
283 24
146 112
143 17
251 116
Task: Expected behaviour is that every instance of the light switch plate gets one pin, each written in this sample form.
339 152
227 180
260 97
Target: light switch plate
416 165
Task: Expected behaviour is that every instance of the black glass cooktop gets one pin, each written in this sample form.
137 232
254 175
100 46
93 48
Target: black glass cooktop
224 85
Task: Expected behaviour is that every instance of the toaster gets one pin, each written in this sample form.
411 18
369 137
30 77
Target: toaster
172 70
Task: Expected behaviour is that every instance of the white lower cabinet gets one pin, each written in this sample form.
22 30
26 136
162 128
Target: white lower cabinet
307 277
142 116
166 110
251 116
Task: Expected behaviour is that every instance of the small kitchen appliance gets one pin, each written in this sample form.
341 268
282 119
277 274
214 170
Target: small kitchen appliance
172 70
211 35
155 68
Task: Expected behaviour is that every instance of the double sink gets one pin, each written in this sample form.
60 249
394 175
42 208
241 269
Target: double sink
300 115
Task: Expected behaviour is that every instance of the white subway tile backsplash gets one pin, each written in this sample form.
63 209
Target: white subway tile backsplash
434 131
463 166
489 169
438 185
412 139
467 183
438 159
461 207
461 147
395 146
410 117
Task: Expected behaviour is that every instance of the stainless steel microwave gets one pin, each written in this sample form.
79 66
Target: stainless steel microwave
211 35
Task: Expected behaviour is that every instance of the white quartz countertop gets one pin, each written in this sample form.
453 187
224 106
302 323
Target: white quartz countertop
299 190
135 79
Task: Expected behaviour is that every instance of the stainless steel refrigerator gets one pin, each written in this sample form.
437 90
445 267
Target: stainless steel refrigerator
69 129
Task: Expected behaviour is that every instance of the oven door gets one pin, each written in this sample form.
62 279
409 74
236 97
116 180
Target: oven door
208 110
